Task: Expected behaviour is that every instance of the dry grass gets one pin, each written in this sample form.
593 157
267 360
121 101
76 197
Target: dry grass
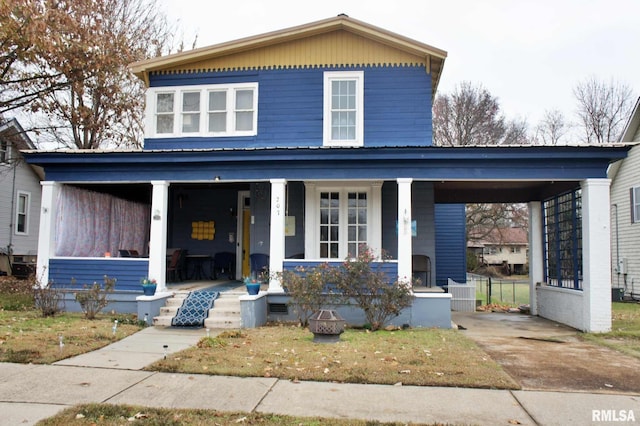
116 415
412 357
27 337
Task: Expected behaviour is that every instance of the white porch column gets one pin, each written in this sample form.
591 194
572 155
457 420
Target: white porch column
158 237
47 234
276 236
596 255
404 229
536 253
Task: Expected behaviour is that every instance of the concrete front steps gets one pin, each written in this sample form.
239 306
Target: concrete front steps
225 313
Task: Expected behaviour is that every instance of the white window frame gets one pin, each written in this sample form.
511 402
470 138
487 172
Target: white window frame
329 78
5 151
373 189
635 204
27 208
178 91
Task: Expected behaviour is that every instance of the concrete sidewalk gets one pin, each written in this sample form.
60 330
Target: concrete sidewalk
29 393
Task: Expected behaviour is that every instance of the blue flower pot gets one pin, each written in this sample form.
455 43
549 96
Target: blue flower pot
149 289
253 288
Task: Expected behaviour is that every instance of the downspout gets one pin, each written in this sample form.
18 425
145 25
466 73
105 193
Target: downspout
617 249
11 218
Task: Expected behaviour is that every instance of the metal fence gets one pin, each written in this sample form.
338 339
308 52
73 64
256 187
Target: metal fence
500 291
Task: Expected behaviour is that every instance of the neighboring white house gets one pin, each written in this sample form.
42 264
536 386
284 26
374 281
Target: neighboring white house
506 248
625 212
20 196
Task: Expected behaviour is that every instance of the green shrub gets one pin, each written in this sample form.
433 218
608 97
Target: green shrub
94 298
308 288
371 288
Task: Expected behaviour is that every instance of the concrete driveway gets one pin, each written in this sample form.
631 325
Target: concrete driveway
544 355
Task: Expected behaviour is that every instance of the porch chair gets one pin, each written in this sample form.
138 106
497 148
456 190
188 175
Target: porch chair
421 264
259 263
174 269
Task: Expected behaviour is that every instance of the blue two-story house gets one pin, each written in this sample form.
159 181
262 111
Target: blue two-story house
302 145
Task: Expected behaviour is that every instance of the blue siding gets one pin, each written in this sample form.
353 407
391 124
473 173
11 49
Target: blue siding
127 272
451 245
389 268
397 108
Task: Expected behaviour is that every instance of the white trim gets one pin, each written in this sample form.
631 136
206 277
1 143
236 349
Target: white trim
312 215
635 203
178 91
158 233
27 212
329 77
405 249
47 230
276 237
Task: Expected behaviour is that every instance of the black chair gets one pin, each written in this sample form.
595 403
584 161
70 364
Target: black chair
421 264
259 263
224 262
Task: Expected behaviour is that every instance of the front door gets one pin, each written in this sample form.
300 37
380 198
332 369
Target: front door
244 235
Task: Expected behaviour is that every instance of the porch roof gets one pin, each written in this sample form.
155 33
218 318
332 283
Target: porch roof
461 174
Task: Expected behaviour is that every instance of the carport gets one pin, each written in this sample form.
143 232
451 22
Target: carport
569 242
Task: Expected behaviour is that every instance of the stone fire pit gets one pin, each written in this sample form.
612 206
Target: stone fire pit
326 326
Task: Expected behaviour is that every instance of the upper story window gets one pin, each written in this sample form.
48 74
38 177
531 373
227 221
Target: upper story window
4 151
22 213
635 204
343 108
211 110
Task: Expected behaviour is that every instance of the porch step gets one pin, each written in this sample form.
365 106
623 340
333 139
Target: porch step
225 313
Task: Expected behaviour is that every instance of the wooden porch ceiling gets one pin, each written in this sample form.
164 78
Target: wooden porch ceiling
499 191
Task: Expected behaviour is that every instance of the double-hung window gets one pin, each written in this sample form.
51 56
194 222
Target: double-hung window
22 213
209 110
4 151
635 204
343 108
340 220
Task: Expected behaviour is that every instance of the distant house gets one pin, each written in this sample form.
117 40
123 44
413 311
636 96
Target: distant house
625 212
299 146
19 202
505 248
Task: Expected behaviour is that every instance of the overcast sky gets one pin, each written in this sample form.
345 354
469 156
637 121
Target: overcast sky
530 54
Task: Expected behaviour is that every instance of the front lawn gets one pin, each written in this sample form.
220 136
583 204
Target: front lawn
28 337
422 357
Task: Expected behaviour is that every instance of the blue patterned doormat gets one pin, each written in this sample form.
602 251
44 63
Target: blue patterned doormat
194 309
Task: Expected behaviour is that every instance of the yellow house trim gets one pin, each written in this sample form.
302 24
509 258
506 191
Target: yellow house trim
337 41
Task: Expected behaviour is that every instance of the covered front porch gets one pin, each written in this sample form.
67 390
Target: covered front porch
279 203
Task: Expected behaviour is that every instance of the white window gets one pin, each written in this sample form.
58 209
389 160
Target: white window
22 213
190 112
340 220
4 151
635 204
343 108
211 110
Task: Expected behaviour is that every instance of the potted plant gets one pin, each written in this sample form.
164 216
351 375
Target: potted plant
252 285
149 286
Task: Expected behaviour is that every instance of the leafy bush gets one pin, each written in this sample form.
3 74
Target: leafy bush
307 287
94 298
371 288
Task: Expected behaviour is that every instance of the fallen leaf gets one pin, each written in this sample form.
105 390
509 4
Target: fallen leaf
405 371
514 422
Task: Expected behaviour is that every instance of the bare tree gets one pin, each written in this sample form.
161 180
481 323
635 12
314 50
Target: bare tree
603 109
483 219
468 116
471 116
71 68
551 128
